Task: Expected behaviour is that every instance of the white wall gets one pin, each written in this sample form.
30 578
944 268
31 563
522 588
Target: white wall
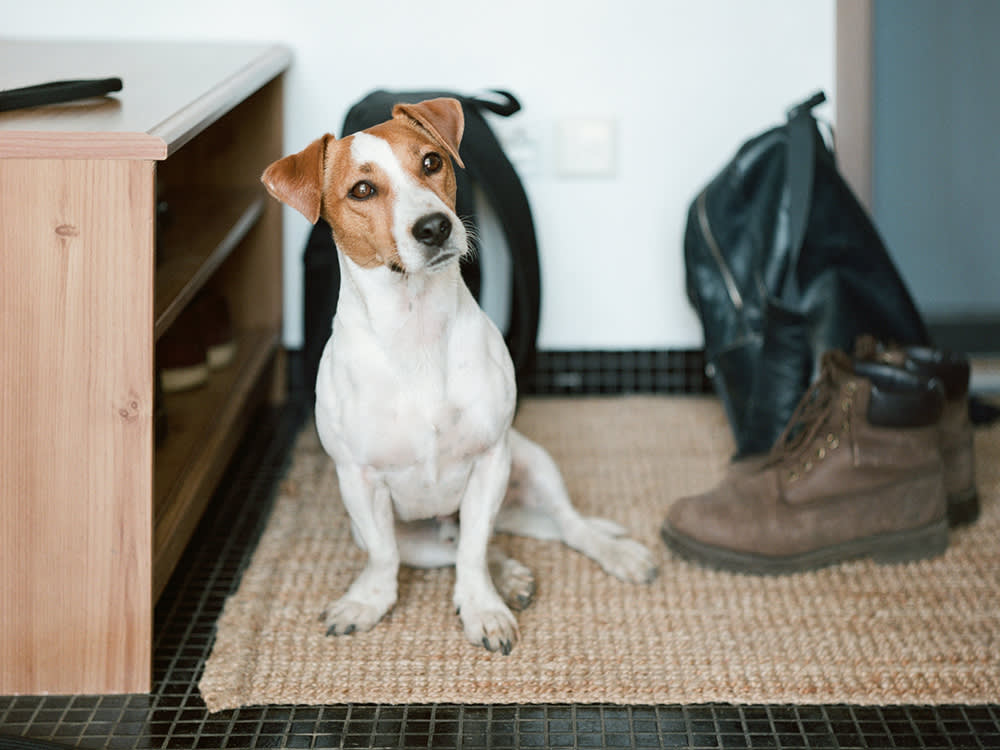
685 81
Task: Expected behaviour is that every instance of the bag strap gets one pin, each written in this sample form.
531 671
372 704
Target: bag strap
509 106
57 92
800 162
490 168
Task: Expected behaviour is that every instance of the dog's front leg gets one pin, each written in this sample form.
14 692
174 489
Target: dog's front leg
373 592
486 620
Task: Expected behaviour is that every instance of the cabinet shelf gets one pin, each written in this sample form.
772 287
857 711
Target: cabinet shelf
202 229
204 426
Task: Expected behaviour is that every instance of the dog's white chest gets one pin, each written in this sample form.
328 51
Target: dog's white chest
417 417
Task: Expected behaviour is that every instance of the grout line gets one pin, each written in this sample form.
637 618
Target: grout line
970 727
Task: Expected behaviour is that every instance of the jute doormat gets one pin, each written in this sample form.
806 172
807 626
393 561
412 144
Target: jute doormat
922 633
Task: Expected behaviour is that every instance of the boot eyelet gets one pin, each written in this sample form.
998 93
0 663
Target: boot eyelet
830 438
808 466
821 453
792 476
851 386
835 443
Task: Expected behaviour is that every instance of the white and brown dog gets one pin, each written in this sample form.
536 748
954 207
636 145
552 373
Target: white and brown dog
415 393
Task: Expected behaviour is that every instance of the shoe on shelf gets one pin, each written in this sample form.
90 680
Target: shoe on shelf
216 329
200 340
856 473
181 354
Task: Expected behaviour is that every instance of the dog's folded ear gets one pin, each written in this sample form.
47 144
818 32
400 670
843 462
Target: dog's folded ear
442 118
298 179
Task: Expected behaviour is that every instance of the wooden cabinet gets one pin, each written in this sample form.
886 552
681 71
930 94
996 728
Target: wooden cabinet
93 514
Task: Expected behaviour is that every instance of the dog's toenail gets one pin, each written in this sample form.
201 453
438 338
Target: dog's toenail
486 644
505 647
332 630
349 629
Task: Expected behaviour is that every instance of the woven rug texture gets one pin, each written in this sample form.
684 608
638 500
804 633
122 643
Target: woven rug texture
859 633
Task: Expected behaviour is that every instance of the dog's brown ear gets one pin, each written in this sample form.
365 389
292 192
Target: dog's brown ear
442 118
298 179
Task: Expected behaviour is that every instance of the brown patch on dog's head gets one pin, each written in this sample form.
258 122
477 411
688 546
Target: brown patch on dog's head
355 194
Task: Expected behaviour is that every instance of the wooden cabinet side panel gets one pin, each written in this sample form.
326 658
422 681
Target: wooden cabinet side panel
76 268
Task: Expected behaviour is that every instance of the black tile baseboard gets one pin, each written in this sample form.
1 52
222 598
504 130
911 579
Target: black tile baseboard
591 372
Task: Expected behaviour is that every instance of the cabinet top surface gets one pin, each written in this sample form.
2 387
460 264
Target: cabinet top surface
170 92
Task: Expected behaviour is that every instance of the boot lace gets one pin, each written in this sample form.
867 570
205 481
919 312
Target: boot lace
820 420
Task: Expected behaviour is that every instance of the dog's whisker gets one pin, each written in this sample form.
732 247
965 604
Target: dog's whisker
472 233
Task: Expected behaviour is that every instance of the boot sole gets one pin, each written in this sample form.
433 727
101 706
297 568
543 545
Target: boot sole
898 547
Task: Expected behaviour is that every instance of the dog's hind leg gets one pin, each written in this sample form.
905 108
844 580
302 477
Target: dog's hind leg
515 583
433 543
538 505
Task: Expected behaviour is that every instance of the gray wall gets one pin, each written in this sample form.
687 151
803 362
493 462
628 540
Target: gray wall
936 150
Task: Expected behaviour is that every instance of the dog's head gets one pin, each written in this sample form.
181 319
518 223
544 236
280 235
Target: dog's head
388 192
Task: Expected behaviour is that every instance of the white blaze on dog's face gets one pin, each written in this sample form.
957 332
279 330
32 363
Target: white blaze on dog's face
388 192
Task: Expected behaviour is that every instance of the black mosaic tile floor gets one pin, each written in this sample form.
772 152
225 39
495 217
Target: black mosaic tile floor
174 716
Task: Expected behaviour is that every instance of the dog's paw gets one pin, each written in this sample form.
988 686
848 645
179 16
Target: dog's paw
514 582
348 616
628 560
487 622
620 556
493 629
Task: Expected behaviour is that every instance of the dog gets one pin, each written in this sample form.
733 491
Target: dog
415 392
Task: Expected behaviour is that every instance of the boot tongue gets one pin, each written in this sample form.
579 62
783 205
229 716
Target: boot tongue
866 346
836 365
869 349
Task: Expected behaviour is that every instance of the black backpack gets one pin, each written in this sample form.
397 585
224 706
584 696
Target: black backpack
487 167
783 263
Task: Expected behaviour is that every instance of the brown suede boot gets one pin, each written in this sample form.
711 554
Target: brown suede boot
954 429
857 473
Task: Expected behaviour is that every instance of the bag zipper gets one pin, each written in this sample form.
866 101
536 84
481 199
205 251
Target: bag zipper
727 276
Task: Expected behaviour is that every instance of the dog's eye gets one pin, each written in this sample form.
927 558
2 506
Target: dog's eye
362 191
433 163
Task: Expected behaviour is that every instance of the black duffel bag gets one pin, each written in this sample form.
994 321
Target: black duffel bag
782 264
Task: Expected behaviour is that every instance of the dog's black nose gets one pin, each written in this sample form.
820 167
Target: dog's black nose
432 229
